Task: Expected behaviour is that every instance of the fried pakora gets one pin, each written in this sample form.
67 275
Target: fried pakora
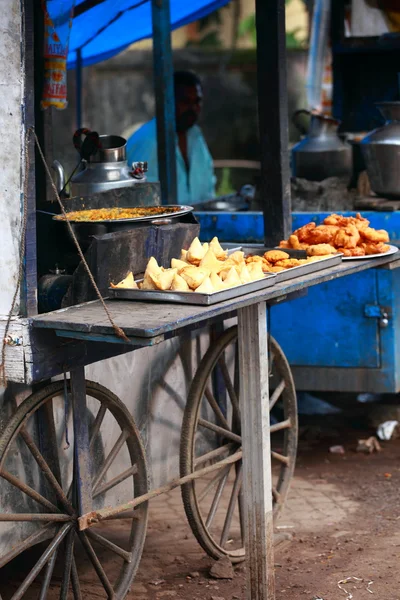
321 250
347 237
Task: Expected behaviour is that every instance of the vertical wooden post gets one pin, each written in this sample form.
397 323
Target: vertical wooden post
273 119
165 100
82 466
257 479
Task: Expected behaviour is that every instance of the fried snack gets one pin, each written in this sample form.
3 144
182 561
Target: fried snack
209 261
322 234
216 281
337 220
194 276
178 264
276 269
195 252
375 248
232 279
273 256
255 270
244 275
284 244
206 287
288 263
237 257
163 280
359 221
219 252
358 251
127 283
374 235
152 270
179 284
303 233
184 256
295 244
347 237
321 250
315 258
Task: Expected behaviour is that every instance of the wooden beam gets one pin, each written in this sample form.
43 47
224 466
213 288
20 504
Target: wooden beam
273 120
165 100
257 477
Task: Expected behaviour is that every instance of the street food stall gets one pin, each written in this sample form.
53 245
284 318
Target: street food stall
73 460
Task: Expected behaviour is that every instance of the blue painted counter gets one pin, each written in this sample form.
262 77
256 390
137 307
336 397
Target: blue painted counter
335 338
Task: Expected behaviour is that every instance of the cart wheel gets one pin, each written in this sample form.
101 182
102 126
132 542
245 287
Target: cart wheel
39 480
211 432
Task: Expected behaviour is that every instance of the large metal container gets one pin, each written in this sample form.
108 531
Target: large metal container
322 153
381 151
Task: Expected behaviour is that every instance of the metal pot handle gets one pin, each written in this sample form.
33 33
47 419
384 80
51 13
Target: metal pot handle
295 122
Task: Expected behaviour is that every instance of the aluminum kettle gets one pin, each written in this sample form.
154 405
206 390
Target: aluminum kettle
381 151
103 165
322 153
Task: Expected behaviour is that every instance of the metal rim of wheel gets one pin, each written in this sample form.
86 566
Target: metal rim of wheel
59 517
226 445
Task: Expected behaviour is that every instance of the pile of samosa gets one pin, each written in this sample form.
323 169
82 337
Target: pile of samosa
203 268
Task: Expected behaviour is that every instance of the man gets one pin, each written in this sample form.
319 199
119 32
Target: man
194 164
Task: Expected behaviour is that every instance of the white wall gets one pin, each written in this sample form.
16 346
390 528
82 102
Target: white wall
11 89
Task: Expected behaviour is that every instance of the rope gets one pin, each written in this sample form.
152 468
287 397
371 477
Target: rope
119 332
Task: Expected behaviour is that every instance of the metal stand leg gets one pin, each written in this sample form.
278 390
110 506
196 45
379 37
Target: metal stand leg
81 430
257 481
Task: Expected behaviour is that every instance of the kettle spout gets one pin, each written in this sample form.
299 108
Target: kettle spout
60 175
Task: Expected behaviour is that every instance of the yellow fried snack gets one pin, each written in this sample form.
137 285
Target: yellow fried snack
147 283
153 267
178 264
195 252
194 276
206 287
127 283
216 281
237 257
179 284
321 250
244 275
288 263
273 256
184 256
219 252
276 269
163 280
232 279
209 261
255 270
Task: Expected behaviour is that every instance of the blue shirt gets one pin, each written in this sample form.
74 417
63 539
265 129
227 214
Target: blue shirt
194 186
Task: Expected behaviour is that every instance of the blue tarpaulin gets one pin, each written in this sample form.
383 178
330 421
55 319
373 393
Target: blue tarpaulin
108 28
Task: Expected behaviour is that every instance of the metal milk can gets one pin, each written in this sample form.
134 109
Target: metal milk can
322 153
381 151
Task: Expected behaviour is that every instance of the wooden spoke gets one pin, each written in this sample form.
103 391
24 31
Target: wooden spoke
47 576
213 454
96 564
232 503
97 424
278 426
18 517
276 494
228 383
276 394
47 472
283 459
38 536
220 430
76 586
212 482
113 482
110 458
47 554
69 553
217 498
26 489
127 556
214 405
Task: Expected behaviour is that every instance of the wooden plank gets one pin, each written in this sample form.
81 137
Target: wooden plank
149 320
273 120
257 476
82 464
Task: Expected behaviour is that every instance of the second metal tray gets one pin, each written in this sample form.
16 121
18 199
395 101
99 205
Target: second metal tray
192 297
312 267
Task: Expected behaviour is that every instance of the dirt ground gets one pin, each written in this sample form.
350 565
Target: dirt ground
343 513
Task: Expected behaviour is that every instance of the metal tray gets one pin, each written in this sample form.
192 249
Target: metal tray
182 210
192 297
312 267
